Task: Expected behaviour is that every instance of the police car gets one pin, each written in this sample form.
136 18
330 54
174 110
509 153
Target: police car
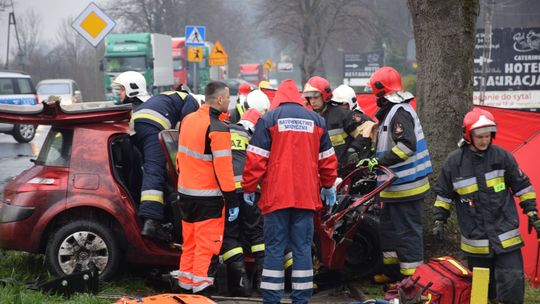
17 88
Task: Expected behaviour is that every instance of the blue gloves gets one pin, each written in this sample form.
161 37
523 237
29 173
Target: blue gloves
328 195
233 214
369 162
249 198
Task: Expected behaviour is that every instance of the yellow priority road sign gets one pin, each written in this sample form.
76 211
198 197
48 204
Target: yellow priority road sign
93 24
195 54
218 55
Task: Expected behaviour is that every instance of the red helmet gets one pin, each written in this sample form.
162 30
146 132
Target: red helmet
244 88
385 81
317 85
478 121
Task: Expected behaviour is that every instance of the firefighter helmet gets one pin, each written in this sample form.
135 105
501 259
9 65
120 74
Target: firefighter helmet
249 119
256 99
386 82
478 121
134 84
317 85
244 88
265 84
344 94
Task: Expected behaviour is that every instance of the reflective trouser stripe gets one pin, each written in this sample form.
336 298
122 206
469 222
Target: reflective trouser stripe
257 248
235 251
409 268
272 286
390 257
302 286
185 280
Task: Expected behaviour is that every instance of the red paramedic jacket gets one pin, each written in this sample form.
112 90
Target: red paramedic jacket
290 155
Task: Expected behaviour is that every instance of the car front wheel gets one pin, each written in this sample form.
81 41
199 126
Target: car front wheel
77 245
24 133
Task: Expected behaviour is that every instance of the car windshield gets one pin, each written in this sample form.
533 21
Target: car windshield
178 64
251 78
54 88
120 64
56 150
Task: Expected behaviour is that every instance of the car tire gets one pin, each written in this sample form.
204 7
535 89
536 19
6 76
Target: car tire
364 257
74 246
23 133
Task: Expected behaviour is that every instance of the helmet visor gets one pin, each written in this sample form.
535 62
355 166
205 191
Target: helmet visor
310 94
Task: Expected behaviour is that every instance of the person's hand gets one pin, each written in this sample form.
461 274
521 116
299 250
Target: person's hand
438 230
249 198
233 214
369 162
328 195
534 221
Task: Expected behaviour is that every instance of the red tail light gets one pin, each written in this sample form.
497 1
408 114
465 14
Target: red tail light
46 181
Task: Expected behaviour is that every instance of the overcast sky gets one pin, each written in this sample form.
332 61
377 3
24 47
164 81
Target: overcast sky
52 13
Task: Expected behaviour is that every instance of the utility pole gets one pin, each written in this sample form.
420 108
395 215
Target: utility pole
11 20
486 52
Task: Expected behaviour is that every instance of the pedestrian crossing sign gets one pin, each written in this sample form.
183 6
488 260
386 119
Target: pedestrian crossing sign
195 35
195 54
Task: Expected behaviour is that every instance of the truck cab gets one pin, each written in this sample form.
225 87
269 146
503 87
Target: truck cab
147 53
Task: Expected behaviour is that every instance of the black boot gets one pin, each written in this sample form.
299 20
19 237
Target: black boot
154 229
259 262
239 284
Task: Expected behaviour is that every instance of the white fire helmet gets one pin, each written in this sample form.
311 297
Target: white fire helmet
344 94
134 84
256 99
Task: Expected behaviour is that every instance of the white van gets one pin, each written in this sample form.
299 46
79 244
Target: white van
67 89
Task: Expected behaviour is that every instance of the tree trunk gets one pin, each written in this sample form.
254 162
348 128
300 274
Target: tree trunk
444 32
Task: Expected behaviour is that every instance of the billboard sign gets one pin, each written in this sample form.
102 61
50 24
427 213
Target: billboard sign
512 78
357 68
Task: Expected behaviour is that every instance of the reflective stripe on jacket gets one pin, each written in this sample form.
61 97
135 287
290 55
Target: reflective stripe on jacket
166 110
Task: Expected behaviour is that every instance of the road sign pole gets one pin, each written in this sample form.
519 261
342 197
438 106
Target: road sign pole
195 86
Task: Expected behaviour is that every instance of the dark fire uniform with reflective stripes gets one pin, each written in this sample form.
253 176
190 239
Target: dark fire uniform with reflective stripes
249 226
160 112
401 146
341 123
481 186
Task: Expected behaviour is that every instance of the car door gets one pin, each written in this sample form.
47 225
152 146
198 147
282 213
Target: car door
169 143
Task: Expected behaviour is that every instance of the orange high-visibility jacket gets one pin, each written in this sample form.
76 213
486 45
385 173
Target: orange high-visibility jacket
204 159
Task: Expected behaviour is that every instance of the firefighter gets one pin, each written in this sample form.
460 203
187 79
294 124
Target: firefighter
401 147
160 112
349 132
290 155
479 180
131 88
249 227
205 187
241 103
